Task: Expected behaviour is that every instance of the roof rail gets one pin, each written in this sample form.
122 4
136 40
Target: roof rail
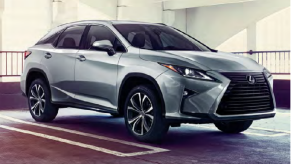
162 24
109 21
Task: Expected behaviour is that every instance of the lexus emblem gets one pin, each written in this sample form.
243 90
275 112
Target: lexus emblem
251 79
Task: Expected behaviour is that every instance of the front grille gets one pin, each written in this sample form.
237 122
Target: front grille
241 97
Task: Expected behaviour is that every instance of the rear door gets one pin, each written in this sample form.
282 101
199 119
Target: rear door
59 63
96 74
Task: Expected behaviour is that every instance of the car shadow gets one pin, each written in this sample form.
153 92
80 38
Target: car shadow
184 136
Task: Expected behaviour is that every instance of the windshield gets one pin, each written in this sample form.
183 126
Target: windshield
157 37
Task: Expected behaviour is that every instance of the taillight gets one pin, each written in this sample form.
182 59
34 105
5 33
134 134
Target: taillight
26 54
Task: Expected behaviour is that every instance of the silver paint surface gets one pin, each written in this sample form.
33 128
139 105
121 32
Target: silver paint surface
98 79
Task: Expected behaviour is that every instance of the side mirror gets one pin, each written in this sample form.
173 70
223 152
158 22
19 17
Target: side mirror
104 45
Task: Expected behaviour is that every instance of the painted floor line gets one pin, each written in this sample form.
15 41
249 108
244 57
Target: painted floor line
280 134
107 151
265 135
257 134
272 130
152 149
285 113
63 140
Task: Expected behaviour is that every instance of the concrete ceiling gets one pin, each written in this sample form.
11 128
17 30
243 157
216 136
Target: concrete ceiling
181 4
177 4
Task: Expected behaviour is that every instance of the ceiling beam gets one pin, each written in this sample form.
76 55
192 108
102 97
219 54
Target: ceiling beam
182 4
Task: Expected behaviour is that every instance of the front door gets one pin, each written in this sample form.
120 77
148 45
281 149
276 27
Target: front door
96 71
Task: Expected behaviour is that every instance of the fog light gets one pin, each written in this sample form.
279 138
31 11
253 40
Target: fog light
187 93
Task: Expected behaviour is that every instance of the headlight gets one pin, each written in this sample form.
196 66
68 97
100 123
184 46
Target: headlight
189 72
267 73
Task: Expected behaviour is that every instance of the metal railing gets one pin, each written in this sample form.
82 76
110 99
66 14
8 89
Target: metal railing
11 63
277 62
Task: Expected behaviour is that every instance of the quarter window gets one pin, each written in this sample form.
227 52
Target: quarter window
71 37
50 38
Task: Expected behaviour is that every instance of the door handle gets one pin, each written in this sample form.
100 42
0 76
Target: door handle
48 55
81 58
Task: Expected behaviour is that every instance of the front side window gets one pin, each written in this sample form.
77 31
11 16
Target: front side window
71 37
157 37
147 44
100 33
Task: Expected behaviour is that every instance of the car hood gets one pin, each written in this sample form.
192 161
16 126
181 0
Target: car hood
218 61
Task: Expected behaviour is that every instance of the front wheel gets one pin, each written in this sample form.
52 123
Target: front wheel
143 115
233 127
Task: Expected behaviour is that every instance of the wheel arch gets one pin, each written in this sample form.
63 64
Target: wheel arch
138 79
34 73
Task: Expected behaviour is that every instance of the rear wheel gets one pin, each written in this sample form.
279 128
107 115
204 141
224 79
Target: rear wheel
143 115
39 101
233 127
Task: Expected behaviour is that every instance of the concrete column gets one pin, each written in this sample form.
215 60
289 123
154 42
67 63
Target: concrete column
97 9
252 39
49 15
23 24
118 8
140 10
181 19
1 58
175 18
169 17
1 14
65 11
55 11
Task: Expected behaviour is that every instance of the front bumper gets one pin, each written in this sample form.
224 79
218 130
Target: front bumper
201 106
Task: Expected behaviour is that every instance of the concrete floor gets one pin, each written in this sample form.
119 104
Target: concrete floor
91 137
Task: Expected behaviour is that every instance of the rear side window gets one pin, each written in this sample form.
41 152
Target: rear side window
71 37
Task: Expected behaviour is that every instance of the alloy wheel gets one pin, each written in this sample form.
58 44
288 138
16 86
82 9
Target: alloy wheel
37 100
140 114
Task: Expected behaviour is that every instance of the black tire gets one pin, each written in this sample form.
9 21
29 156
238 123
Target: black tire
233 127
156 127
49 111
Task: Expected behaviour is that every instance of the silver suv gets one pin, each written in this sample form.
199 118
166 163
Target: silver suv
154 75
